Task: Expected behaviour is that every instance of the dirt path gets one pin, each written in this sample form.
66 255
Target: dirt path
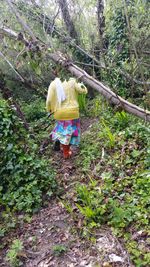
53 238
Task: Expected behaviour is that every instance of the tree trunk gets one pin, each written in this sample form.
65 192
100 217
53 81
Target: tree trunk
67 19
101 18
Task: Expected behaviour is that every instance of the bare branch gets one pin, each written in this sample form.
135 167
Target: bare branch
100 87
12 67
21 21
97 64
127 76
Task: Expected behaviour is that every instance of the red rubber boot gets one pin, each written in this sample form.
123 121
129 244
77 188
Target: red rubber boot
66 151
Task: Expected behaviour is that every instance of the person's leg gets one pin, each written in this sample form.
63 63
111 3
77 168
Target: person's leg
66 151
55 137
57 145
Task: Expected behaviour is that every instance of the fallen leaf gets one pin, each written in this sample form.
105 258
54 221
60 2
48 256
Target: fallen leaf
115 258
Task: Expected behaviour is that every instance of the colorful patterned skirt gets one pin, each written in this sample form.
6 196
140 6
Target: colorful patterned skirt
67 132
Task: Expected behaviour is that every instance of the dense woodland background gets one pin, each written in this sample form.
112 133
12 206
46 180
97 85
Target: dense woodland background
105 44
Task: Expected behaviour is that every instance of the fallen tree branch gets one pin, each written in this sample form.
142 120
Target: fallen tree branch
125 74
50 24
100 87
11 34
14 35
51 28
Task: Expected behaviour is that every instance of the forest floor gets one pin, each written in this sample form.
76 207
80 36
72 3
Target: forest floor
53 237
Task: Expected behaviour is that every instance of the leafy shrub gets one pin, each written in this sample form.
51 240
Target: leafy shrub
58 250
115 154
14 253
95 207
24 176
90 150
122 119
106 133
34 109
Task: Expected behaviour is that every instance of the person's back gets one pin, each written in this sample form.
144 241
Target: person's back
62 100
69 108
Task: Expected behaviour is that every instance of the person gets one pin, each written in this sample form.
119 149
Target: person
62 101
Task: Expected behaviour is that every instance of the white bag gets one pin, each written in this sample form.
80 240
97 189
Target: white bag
60 91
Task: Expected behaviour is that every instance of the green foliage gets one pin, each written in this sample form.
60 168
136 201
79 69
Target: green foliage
119 204
89 152
118 49
34 110
117 193
99 206
121 45
115 152
24 175
106 133
68 207
82 102
122 119
58 250
14 252
97 107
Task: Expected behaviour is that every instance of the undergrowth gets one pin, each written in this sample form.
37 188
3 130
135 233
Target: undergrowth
115 154
25 176
114 158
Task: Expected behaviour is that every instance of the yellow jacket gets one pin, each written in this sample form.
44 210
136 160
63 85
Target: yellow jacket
69 109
